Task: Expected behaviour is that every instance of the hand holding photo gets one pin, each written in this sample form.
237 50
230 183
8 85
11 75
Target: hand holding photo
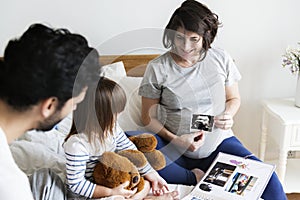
202 122
223 121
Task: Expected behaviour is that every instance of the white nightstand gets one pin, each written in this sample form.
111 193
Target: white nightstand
280 134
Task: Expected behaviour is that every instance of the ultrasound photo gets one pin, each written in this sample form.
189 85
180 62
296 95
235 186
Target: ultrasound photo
202 122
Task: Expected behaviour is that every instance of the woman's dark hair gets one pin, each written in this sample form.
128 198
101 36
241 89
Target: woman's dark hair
96 115
44 63
195 17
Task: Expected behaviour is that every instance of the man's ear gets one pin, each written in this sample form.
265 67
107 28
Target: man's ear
49 106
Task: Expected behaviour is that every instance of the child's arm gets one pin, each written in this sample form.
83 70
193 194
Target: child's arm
76 159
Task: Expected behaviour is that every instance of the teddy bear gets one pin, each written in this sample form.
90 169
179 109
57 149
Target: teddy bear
115 168
147 143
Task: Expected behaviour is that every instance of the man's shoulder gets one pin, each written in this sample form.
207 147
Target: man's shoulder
12 178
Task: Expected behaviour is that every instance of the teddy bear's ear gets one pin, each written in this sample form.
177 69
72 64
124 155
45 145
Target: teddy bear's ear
135 156
156 159
145 142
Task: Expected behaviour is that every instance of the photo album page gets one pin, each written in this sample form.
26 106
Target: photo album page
232 177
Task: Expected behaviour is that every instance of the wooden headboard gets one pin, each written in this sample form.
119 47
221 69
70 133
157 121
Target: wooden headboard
135 65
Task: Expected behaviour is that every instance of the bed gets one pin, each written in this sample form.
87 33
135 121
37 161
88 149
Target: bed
35 150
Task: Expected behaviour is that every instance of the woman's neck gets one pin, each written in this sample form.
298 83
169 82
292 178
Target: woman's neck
185 63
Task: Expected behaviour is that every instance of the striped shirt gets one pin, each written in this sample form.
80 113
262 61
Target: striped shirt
82 156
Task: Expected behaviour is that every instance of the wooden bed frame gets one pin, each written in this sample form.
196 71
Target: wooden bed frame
135 65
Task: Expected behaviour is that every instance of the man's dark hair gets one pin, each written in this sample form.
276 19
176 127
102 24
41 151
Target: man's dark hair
43 63
195 17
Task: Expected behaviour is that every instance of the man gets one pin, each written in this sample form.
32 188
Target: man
43 75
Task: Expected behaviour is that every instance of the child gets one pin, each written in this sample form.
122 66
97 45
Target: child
94 131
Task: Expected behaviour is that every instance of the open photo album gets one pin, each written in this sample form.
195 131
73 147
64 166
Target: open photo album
232 177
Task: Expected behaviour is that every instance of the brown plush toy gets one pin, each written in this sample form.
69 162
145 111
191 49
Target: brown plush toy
147 143
114 169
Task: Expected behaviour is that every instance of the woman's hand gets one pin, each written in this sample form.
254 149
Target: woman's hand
191 141
224 121
158 184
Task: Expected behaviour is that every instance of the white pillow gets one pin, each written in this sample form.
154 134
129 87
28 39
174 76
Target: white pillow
31 156
113 70
130 118
52 139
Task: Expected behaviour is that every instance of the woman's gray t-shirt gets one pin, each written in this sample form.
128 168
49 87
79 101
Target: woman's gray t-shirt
182 92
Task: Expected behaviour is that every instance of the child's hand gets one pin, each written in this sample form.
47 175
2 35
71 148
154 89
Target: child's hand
158 184
120 190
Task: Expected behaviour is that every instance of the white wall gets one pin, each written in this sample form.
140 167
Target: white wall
255 32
